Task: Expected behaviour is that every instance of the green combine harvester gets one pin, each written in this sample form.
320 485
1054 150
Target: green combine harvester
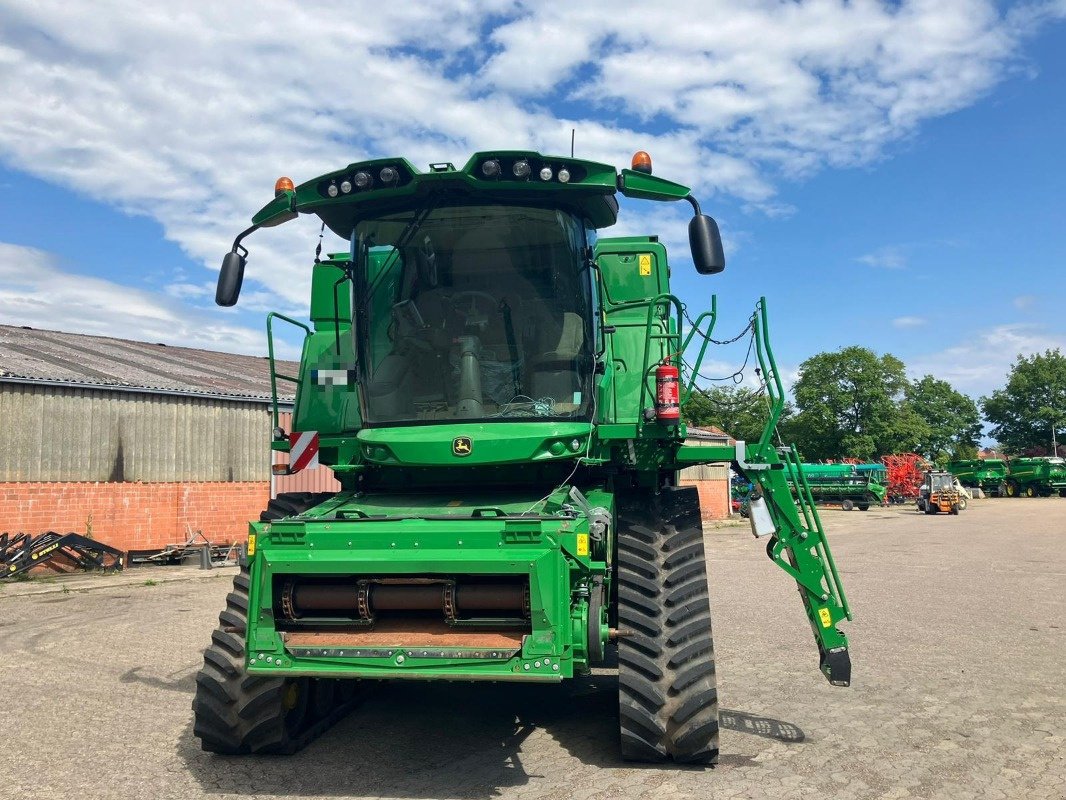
1036 477
844 484
988 474
498 392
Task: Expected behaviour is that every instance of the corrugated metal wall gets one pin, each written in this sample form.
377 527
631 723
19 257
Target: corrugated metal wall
68 434
706 472
321 479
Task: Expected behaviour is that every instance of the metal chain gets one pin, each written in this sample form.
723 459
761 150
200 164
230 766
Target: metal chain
750 327
738 376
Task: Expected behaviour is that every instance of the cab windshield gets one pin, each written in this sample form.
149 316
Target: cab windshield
473 313
941 483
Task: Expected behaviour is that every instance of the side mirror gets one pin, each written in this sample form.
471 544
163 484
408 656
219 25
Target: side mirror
705 242
230 278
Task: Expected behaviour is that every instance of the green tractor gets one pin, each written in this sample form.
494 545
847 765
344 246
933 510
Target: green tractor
498 392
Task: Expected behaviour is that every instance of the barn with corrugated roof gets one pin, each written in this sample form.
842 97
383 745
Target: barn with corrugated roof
139 445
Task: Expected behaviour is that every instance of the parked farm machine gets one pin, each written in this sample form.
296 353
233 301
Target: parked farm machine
905 474
1036 477
498 393
845 484
1040 476
988 474
939 493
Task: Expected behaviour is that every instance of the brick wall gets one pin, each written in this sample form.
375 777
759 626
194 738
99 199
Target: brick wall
134 516
714 497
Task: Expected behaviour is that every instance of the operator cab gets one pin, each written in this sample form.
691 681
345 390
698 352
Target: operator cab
473 312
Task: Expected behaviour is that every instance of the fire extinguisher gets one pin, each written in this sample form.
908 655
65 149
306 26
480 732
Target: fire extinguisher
667 405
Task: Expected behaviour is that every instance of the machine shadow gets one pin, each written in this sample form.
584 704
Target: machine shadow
427 740
436 740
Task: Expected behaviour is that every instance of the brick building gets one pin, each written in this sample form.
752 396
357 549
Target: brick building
710 480
137 444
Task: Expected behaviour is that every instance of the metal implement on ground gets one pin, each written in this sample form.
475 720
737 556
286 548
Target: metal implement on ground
21 552
905 474
498 391
939 493
844 484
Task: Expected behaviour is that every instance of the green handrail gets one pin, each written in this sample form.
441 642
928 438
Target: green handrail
274 374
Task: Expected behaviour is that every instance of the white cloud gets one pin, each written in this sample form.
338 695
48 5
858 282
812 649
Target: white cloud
1024 302
885 258
35 291
188 116
982 362
909 322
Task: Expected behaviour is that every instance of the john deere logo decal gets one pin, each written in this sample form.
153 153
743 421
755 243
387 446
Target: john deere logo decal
461 446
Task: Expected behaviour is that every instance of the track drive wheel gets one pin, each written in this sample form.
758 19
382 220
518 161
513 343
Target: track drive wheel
289 504
667 690
236 713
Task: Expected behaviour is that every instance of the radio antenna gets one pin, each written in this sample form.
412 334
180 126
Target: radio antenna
572 132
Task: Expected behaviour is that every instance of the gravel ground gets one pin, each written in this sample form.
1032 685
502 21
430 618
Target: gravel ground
959 675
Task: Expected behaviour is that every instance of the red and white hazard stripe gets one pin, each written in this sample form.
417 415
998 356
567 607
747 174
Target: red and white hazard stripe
303 450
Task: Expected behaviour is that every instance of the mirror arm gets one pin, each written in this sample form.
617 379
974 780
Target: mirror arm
695 204
237 246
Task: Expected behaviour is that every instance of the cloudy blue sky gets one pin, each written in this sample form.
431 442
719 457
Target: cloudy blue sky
888 174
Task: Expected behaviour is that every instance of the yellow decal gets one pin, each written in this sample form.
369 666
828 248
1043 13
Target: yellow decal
823 615
251 544
645 264
582 544
454 503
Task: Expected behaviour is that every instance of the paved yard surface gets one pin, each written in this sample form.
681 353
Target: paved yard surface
959 687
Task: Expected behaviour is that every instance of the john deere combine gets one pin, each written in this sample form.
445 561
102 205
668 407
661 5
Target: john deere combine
498 392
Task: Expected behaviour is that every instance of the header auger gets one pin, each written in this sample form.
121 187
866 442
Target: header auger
498 392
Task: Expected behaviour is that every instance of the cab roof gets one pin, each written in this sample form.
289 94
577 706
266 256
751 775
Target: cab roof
367 189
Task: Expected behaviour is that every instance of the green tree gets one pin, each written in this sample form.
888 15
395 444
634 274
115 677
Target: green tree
952 418
851 403
739 411
1023 412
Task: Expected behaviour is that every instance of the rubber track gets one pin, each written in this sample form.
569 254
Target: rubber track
667 692
289 504
236 713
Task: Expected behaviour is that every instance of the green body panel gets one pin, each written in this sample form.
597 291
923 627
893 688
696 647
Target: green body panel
1039 472
634 270
495 443
527 500
987 473
450 534
859 489
836 482
828 470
